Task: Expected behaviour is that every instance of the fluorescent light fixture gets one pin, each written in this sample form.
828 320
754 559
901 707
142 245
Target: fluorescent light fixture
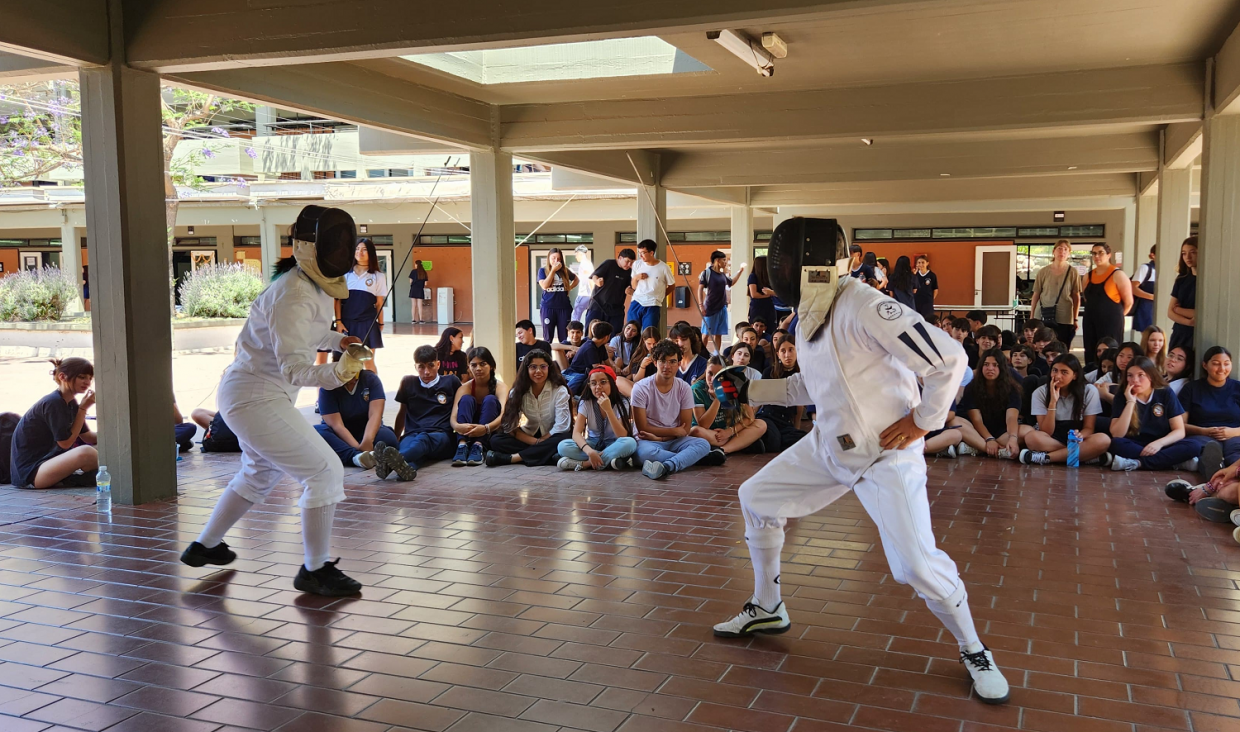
777 46
1059 216
744 48
867 141
945 175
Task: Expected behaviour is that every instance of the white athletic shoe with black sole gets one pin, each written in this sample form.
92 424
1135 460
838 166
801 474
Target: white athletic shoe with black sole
988 681
754 619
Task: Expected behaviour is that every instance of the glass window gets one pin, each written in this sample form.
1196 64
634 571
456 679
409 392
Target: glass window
871 234
762 236
626 237
1097 230
346 174
382 240
1037 231
580 238
249 241
976 232
458 239
911 233
376 174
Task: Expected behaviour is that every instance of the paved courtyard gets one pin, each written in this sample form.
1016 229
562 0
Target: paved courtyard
529 600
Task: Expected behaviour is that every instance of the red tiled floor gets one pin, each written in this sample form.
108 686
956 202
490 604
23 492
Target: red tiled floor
538 601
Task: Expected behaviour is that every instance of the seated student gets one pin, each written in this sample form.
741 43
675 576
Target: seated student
693 364
739 329
45 452
1020 360
218 437
352 417
448 351
956 438
537 416
1216 499
424 421
477 411
992 405
663 414
1105 343
182 431
1042 338
527 340
1154 347
762 329
623 344
778 337
730 430
1114 381
1147 424
1007 342
601 428
1029 329
1180 368
960 332
565 351
592 352
1063 404
742 353
1105 365
641 363
785 426
1054 350
1212 404
987 337
976 318
758 359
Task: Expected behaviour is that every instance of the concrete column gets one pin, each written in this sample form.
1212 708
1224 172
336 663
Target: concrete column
1174 210
123 160
1147 230
71 258
1218 258
1128 242
651 209
269 239
494 252
742 251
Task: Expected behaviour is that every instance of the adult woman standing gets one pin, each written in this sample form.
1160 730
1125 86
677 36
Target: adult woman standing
903 285
1108 295
361 315
556 309
418 277
761 302
1183 307
1057 295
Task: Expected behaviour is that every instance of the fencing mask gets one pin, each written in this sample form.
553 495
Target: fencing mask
334 236
802 265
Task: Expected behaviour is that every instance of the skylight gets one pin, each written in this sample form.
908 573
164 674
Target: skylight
644 56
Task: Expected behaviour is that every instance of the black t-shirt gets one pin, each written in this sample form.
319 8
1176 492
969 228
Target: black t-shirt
34 440
427 408
994 421
538 345
454 364
616 280
926 285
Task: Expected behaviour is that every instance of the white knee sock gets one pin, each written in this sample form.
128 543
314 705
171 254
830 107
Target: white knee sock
316 535
766 576
227 512
955 615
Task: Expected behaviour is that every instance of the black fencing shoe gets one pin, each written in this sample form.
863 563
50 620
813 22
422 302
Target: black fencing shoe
327 581
713 458
197 555
382 469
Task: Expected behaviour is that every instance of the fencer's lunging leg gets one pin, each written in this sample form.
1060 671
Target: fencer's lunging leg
227 512
316 531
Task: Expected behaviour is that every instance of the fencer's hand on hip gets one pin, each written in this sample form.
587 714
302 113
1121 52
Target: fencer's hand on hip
904 432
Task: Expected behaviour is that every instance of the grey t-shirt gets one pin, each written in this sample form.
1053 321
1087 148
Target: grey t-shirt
1047 286
1066 406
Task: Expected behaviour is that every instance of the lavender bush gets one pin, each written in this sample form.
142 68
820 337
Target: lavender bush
220 291
38 294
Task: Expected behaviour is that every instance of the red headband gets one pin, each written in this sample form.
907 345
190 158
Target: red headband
602 370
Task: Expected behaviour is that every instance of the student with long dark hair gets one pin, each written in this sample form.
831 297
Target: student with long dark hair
730 430
902 284
361 315
1112 383
991 403
693 363
1063 404
601 430
785 426
537 415
1180 367
452 360
1147 424
45 451
418 277
1182 309
623 344
478 408
641 363
1212 406
761 296
556 309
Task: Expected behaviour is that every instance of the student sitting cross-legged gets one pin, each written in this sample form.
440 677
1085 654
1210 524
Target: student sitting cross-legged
663 413
424 419
537 415
593 352
352 417
1063 404
601 429
730 428
478 409
52 442
1147 424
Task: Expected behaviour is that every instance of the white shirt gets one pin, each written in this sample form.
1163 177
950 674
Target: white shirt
652 291
585 285
549 412
373 282
1144 271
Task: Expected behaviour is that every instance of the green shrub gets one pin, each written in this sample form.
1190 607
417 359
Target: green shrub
37 294
220 291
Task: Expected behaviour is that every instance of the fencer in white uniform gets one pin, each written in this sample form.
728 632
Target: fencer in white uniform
861 355
275 356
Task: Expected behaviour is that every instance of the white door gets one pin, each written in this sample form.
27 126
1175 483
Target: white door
994 278
201 258
31 260
385 266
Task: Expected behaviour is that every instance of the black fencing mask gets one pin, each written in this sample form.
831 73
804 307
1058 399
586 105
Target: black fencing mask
333 234
799 244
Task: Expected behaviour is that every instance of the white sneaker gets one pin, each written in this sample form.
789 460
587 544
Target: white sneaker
568 464
1235 516
988 681
950 452
754 619
1122 463
1030 457
1188 466
364 460
965 449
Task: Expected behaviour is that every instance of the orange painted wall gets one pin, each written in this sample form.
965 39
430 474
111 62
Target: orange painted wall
953 261
8 257
450 267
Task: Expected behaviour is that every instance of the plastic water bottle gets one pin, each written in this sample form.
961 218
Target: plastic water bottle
103 490
1074 449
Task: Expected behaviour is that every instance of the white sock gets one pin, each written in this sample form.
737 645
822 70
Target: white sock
766 576
357 460
956 617
316 535
227 512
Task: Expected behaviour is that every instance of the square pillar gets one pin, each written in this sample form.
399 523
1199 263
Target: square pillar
1174 211
742 251
71 259
1147 230
651 209
269 240
122 152
1218 256
493 248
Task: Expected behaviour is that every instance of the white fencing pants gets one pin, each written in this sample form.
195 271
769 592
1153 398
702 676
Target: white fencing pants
277 440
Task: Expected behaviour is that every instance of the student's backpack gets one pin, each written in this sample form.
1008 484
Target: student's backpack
8 425
219 438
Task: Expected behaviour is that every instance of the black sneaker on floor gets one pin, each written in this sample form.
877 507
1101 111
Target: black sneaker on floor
713 458
79 480
197 555
382 469
394 460
1178 490
1215 509
494 459
1211 459
327 581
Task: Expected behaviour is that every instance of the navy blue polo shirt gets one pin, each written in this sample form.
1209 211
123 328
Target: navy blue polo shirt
1212 406
428 408
1155 415
696 368
354 409
586 358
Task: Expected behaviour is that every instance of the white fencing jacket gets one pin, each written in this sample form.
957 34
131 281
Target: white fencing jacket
861 374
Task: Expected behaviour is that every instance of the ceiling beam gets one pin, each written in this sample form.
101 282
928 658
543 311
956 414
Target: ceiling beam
947 190
185 35
912 160
356 93
1226 75
14 68
69 32
629 166
1183 144
1125 96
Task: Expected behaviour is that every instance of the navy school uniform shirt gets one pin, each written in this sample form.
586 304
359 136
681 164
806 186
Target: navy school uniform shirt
586 358
428 408
697 367
995 423
556 296
1211 406
716 284
34 440
1155 415
926 285
354 409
